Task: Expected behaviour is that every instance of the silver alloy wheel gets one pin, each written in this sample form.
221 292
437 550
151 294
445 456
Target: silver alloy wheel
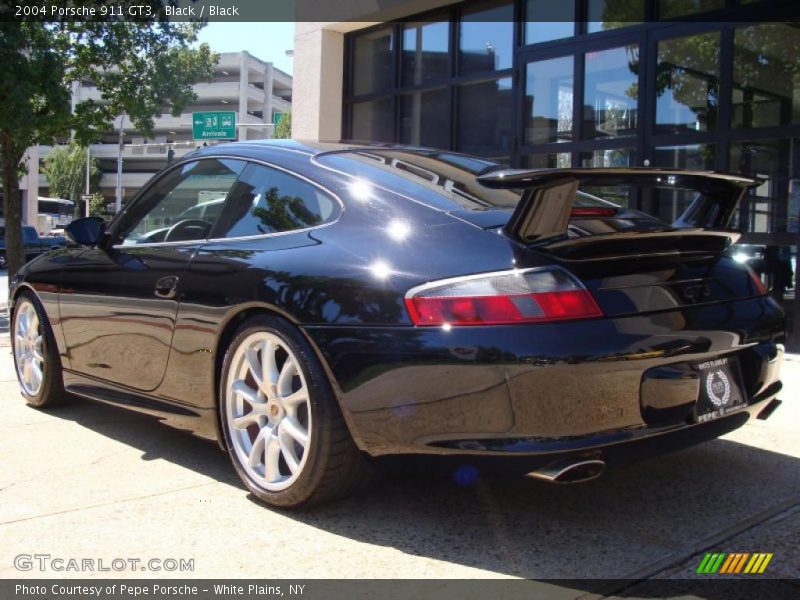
28 347
268 411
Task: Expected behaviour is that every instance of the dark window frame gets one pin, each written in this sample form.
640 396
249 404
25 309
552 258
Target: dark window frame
646 34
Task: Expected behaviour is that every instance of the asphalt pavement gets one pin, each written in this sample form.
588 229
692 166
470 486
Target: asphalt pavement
93 481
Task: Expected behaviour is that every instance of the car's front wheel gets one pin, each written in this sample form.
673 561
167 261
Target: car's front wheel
36 357
282 425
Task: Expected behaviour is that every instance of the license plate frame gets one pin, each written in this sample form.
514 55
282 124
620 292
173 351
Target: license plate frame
721 389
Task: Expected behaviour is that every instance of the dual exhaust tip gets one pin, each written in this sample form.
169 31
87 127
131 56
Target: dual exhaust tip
570 470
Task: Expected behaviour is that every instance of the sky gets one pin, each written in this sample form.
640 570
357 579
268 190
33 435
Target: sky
267 41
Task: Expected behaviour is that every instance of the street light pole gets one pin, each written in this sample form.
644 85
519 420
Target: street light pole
118 203
88 166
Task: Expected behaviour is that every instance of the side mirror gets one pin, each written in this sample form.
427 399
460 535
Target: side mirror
85 232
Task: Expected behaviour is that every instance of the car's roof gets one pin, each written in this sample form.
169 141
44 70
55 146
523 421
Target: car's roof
256 148
493 174
441 179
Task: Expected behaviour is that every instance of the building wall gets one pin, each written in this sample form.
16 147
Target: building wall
318 69
252 88
319 58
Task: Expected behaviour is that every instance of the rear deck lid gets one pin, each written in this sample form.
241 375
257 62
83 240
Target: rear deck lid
641 269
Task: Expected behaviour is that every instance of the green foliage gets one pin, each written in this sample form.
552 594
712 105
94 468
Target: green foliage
283 130
621 13
147 71
688 67
141 69
765 59
283 213
97 205
65 170
34 95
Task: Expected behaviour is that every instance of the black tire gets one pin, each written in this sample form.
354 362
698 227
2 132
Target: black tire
334 466
51 392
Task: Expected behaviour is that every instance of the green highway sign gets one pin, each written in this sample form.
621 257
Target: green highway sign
217 125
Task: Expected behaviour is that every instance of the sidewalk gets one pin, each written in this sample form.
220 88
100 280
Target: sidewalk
3 290
90 480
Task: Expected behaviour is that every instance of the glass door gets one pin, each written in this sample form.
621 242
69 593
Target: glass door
579 103
682 108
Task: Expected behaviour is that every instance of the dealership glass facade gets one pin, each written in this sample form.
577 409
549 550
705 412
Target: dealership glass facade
699 84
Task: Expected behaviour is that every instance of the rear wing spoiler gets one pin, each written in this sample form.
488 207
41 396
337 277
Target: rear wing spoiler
544 209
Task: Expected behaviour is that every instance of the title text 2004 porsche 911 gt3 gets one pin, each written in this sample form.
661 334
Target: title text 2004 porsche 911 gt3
326 304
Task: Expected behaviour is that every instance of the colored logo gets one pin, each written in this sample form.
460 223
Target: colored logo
732 563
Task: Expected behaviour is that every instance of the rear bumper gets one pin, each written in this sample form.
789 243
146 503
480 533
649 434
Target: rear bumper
611 452
544 389
604 443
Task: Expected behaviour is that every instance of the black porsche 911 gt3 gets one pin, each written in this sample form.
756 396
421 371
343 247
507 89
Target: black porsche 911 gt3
311 306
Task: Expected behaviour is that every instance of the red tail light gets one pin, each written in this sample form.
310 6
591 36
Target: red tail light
592 211
524 296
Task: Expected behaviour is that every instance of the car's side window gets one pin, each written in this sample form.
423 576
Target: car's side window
266 200
182 205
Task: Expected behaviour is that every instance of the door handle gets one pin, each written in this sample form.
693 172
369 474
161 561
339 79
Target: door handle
166 287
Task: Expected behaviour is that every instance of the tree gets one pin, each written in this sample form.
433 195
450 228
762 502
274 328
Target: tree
97 205
141 69
765 68
65 170
283 130
284 213
34 107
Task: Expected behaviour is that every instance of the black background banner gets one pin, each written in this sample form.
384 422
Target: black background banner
712 587
306 10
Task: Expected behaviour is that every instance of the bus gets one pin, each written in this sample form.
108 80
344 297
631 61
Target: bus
54 213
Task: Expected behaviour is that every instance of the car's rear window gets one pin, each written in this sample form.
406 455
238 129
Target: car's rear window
445 180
